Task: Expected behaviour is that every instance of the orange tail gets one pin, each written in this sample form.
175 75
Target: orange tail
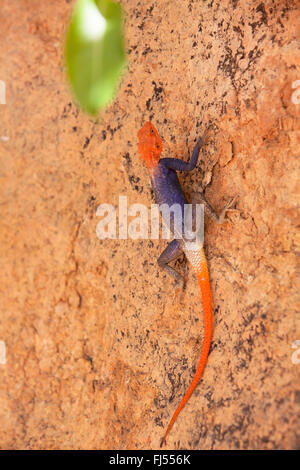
203 279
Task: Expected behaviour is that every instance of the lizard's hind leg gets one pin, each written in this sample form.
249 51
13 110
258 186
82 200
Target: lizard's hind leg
171 253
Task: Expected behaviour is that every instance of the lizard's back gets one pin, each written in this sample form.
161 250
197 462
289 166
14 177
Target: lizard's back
168 191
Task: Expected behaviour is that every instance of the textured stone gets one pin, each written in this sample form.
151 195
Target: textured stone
97 354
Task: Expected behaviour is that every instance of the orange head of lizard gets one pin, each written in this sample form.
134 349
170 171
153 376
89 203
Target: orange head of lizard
150 145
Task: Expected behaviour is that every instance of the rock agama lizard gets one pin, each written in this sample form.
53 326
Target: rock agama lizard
167 190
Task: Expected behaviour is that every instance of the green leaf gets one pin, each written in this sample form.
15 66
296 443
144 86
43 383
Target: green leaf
95 53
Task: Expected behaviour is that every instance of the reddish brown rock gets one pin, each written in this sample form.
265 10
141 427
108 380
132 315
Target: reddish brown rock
97 355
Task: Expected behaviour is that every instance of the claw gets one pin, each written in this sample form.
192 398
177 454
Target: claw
226 208
178 291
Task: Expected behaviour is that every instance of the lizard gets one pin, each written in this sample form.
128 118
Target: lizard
167 190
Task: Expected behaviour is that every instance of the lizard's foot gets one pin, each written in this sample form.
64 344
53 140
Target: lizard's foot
228 207
178 290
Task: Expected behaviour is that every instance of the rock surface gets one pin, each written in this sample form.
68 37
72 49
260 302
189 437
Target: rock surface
97 354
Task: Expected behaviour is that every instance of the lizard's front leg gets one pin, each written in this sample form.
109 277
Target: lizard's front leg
199 198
